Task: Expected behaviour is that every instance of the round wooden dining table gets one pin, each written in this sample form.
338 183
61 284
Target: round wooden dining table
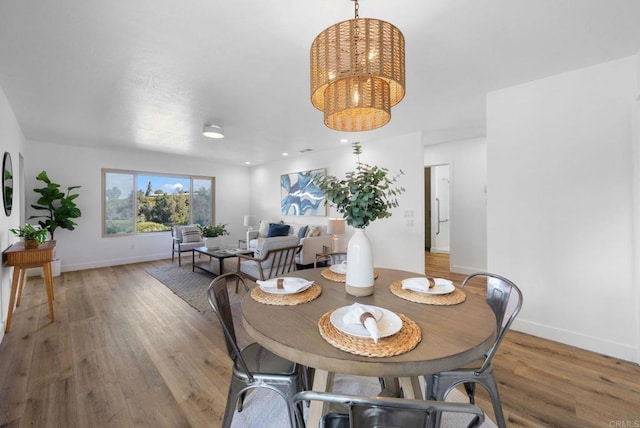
451 335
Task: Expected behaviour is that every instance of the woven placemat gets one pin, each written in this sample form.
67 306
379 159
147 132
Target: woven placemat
339 277
453 298
286 299
403 341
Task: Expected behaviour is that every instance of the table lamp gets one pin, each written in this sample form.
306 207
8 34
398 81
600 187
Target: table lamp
335 227
248 223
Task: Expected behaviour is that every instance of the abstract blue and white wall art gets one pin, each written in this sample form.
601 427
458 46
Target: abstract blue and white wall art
301 194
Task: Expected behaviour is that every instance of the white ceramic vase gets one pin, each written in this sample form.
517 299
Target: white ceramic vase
212 243
359 280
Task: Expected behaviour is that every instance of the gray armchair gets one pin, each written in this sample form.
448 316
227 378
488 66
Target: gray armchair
184 239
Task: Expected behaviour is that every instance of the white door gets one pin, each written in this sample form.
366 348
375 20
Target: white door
440 224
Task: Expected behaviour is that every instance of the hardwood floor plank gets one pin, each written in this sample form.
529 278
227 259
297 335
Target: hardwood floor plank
156 408
51 354
92 363
195 369
51 405
15 361
132 362
198 393
103 406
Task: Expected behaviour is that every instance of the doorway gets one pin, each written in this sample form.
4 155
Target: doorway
437 224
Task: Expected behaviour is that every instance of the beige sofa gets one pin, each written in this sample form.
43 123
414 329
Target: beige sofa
314 240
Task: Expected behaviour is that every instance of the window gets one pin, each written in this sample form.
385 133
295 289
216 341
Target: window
140 202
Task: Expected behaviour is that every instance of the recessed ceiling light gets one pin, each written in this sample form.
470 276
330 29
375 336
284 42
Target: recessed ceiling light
247 163
285 154
213 131
344 140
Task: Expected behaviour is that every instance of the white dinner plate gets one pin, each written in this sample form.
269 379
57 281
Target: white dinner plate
438 289
340 268
304 284
388 322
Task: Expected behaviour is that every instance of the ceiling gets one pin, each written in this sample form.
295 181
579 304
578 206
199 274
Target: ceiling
148 74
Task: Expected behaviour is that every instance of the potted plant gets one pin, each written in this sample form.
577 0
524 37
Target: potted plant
59 209
363 196
211 234
31 236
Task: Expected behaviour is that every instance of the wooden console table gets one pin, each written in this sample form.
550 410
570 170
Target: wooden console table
22 259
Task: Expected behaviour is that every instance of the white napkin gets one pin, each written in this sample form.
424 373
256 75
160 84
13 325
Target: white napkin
354 315
421 284
340 268
291 285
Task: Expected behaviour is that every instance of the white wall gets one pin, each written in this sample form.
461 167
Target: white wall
12 141
396 244
636 195
560 211
468 160
85 247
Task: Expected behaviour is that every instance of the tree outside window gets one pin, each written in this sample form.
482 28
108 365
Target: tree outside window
158 201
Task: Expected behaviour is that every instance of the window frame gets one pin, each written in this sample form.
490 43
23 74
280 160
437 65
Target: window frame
136 174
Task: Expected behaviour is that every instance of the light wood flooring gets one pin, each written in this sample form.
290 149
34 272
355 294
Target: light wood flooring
125 351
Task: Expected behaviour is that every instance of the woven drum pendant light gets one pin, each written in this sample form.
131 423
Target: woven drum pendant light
357 73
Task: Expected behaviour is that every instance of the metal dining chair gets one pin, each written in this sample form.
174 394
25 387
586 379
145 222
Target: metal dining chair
499 292
253 366
381 412
274 262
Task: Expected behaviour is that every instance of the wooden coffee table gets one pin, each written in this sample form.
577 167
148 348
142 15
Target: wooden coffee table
217 253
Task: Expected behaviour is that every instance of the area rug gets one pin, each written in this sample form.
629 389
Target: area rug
189 286
265 409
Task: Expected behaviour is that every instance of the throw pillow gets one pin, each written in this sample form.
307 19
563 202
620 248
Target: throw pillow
277 229
302 232
190 234
263 229
313 231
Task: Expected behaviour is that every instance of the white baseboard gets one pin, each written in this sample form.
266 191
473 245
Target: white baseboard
579 340
436 250
465 270
117 262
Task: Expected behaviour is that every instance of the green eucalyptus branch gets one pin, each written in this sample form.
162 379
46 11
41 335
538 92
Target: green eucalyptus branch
364 195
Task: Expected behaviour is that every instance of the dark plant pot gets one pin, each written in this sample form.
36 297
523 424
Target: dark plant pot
31 243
